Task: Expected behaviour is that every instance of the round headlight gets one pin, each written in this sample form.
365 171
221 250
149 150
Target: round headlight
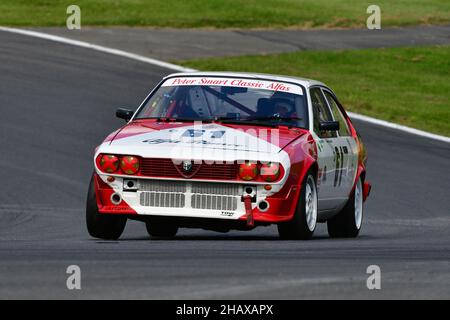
129 164
270 171
248 171
109 163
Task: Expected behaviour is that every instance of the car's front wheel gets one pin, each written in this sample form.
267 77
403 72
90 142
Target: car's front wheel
102 226
161 228
347 223
304 222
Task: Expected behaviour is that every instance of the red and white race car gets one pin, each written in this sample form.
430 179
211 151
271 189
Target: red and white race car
223 151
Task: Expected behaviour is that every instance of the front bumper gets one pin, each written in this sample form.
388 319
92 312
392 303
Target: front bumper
192 199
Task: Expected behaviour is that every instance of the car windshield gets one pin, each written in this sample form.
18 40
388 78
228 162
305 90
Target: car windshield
229 100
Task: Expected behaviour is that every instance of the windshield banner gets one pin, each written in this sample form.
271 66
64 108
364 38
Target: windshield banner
235 82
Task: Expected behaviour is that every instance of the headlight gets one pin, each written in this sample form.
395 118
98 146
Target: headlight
129 164
109 163
248 171
270 171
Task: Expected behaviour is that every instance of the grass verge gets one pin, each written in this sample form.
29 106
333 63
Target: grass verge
224 14
409 86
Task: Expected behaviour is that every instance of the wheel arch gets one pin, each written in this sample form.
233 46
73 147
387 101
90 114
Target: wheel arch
314 168
361 173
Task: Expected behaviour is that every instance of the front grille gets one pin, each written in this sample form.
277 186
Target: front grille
225 171
158 168
216 188
162 186
160 199
202 195
204 201
161 167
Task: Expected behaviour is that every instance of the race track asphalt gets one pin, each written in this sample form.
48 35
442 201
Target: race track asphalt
57 103
185 44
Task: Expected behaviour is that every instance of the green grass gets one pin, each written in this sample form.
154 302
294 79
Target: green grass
409 86
224 13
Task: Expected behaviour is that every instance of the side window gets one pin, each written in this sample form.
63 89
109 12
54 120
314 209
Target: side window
321 112
337 114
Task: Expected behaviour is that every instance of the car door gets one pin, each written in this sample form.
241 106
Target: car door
325 148
345 151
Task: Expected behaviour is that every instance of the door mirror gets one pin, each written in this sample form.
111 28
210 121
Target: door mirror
329 126
124 113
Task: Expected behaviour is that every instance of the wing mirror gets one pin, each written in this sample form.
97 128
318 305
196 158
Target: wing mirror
329 126
124 113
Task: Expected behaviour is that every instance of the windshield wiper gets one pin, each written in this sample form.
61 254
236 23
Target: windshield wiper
172 119
245 121
266 120
274 117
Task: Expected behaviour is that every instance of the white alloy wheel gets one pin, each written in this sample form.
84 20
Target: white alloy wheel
358 204
311 203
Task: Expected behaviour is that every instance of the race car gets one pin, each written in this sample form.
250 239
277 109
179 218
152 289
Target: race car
231 151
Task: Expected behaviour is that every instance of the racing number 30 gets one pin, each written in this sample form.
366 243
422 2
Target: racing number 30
339 160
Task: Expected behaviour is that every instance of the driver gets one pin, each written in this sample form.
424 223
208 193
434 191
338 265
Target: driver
283 108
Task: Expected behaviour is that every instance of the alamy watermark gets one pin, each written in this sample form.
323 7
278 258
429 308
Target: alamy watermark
73 21
374 20
74 280
208 141
374 280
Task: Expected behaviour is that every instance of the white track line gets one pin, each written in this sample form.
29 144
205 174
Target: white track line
175 67
87 45
399 127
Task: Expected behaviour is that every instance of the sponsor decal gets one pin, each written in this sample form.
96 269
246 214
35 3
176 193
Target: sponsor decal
234 82
159 141
192 133
340 164
210 142
213 137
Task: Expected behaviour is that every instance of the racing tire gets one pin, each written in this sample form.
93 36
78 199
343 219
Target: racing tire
347 223
303 224
102 226
161 228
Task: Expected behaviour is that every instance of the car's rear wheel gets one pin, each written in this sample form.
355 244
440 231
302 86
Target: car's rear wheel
102 226
304 222
161 228
347 223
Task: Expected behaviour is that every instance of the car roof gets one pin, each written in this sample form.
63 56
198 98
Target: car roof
302 81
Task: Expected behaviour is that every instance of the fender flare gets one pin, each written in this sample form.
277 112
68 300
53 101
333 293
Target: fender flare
367 187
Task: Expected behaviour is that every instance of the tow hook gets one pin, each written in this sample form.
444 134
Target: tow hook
248 210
